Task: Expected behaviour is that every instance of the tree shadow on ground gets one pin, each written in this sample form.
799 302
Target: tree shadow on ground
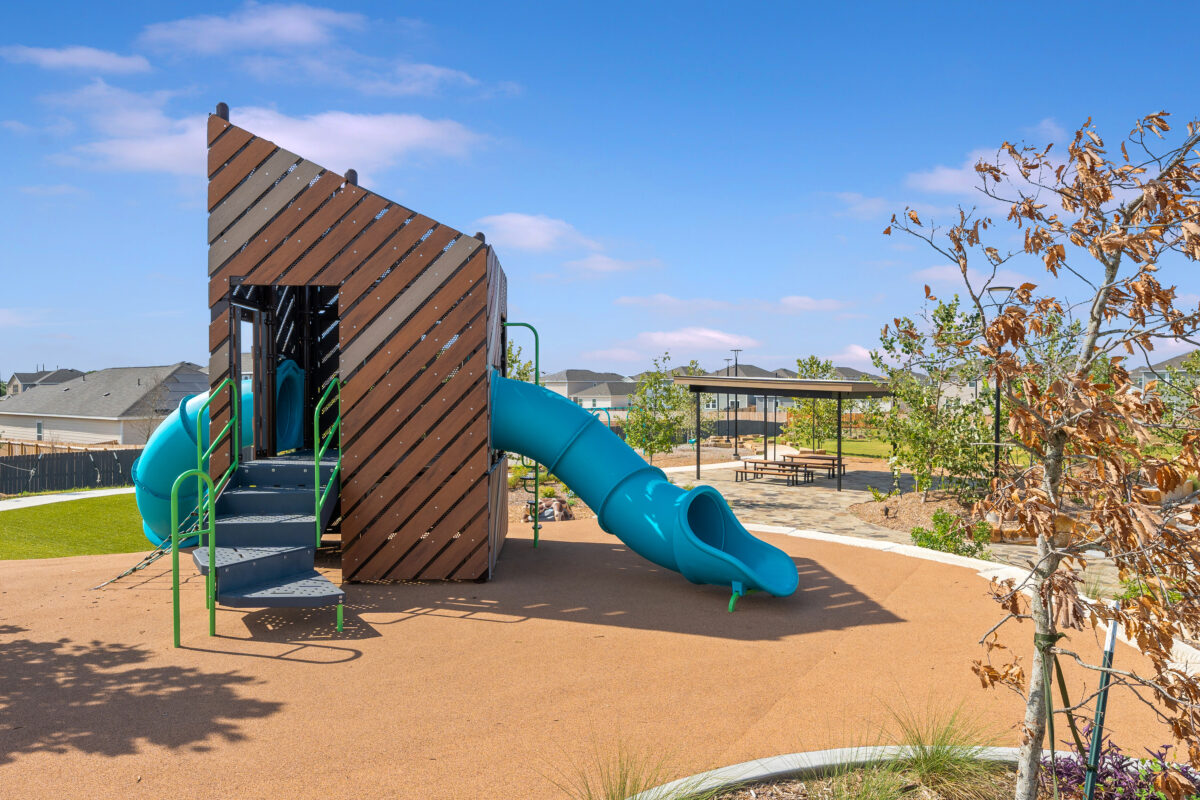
57 696
601 583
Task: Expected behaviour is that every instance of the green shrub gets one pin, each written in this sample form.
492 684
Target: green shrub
1134 589
518 471
514 481
952 534
879 496
548 491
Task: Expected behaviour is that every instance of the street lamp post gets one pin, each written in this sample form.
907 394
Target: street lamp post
737 403
727 360
1001 295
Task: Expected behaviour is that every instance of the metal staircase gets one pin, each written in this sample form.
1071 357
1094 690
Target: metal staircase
255 524
264 556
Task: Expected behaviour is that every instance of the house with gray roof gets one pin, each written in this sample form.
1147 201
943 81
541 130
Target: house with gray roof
122 405
613 395
20 381
570 382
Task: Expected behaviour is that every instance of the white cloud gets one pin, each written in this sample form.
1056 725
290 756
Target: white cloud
368 142
800 303
253 27
1047 131
695 338
862 207
963 180
600 264
944 274
358 73
19 318
535 233
670 304
853 355
792 304
138 134
81 58
614 354
56 190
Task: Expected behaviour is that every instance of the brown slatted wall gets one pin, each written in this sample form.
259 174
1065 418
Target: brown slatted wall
419 306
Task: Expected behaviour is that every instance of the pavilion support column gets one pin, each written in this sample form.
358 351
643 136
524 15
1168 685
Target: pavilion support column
838 464
697 394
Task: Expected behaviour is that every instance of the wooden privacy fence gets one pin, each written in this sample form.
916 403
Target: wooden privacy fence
59 472
19 448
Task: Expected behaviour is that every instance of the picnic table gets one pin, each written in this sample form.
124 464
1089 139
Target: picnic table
832 464
793 472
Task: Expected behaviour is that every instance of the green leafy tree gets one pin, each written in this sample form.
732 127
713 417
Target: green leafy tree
812 421
937 432
658 409
518 368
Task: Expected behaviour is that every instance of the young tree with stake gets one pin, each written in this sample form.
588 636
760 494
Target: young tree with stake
1103 225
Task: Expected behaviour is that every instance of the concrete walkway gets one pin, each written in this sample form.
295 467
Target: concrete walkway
58 497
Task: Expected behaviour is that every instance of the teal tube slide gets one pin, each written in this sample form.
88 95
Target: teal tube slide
171 448
691 532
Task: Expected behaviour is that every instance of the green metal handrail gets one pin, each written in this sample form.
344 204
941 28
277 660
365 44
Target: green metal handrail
205 524
210 584
537 372
320 445
232 429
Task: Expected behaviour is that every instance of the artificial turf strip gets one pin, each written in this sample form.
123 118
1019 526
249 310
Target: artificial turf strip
87 527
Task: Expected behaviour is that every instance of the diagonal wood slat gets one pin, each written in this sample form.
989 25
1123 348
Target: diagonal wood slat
418 308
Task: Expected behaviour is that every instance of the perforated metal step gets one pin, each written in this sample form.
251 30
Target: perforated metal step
298 591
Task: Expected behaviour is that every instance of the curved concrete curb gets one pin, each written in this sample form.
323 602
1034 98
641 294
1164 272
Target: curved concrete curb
59 497
1183 655
815 763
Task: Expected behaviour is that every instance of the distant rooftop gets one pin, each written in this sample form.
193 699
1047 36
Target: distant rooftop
580 375
609 389
112 393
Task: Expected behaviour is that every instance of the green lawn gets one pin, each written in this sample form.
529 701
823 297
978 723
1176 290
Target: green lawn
73 528
869 448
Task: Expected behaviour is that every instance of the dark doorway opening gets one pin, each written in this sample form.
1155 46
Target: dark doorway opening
274 325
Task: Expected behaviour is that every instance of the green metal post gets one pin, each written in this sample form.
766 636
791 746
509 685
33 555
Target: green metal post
320 445
339 617
537 381
205 510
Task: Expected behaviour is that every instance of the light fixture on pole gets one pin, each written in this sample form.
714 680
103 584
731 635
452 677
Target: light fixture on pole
737 402
1001 295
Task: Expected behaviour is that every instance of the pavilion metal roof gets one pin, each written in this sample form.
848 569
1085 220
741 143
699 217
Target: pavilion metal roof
782 387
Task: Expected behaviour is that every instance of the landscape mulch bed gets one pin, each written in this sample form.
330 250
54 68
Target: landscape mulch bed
997 786
906 511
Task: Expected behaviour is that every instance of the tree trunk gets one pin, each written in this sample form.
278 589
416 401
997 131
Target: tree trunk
1029 759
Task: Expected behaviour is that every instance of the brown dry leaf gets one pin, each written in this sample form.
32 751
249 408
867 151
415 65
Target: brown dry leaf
913 216
1173 784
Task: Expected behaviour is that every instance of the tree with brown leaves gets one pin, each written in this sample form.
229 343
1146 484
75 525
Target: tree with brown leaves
1092 476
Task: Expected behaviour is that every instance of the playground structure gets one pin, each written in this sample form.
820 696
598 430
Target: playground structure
378 407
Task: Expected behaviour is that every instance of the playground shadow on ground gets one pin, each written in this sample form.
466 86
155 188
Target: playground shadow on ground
600 583
101 699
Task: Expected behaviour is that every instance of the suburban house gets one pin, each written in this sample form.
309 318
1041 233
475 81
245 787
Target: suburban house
1143 375
613 395
20 381
570 382
121 406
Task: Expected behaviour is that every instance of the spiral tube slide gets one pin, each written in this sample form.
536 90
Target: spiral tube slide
693 532
171 449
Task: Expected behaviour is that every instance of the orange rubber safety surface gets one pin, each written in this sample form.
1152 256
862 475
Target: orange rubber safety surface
572 648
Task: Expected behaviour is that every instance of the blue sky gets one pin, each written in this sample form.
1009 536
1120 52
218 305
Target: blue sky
665 176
